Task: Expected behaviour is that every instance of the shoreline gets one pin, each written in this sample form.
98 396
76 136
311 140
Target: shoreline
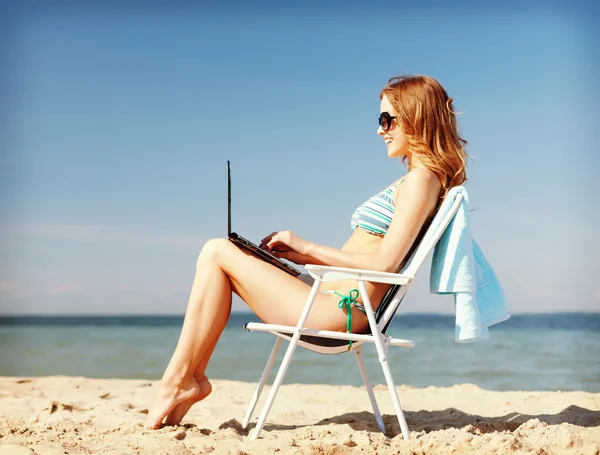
75 415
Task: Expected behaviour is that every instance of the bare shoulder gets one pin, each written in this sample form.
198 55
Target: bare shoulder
423 181
419 191
423 176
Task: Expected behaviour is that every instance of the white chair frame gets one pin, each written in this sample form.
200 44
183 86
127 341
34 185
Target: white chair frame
377 335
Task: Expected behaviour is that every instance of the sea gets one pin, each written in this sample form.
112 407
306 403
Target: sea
559 351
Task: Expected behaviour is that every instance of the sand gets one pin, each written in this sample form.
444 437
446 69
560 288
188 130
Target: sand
74 415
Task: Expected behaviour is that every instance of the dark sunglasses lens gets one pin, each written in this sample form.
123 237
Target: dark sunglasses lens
384 121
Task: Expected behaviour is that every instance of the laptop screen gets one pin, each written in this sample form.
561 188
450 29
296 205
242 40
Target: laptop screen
228 198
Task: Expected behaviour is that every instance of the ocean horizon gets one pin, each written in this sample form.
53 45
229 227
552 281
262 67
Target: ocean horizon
567 320
549 351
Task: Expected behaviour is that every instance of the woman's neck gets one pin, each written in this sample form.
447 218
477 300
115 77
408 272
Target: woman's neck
414 163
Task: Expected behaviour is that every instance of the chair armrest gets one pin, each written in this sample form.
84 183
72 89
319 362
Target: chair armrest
329 273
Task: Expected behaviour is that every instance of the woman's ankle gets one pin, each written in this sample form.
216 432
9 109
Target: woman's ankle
177 380
200 376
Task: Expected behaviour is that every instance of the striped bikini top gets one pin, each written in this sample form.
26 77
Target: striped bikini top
375 215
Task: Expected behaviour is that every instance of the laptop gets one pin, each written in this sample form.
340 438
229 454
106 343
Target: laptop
247 244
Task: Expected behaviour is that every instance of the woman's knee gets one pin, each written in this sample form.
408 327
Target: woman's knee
213 249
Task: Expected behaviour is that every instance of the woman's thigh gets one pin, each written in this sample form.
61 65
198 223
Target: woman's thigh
276 296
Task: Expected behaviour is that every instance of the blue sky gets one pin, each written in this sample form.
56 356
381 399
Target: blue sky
117 124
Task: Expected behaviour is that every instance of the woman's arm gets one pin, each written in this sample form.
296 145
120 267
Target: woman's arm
416 198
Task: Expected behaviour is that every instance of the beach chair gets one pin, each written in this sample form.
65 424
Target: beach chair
331 342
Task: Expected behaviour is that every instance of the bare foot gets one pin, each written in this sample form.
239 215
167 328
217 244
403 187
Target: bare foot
204 390
168 398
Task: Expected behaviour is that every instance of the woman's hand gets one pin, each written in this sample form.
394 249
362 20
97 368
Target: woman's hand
287 245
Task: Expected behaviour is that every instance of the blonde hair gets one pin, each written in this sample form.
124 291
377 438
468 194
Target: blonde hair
428 121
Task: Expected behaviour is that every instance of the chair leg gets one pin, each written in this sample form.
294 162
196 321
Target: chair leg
287 358
394 395
261 383
382 353
363 373
275 388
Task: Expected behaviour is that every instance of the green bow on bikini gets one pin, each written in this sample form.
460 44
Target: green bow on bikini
346 303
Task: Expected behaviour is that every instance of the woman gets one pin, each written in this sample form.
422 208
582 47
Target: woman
418 125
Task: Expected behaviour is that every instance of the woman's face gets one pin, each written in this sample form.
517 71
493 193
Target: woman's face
396 143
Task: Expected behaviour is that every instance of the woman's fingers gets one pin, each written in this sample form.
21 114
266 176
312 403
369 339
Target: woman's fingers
279 242
271 243
282 241
265 241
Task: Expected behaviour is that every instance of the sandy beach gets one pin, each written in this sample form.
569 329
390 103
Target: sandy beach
60 415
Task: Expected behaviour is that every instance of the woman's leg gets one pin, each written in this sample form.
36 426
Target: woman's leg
208 310
175 417
275 296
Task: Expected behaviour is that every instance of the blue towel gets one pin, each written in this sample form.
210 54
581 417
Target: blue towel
459 267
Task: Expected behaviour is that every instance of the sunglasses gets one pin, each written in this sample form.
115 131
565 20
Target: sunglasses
385 120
